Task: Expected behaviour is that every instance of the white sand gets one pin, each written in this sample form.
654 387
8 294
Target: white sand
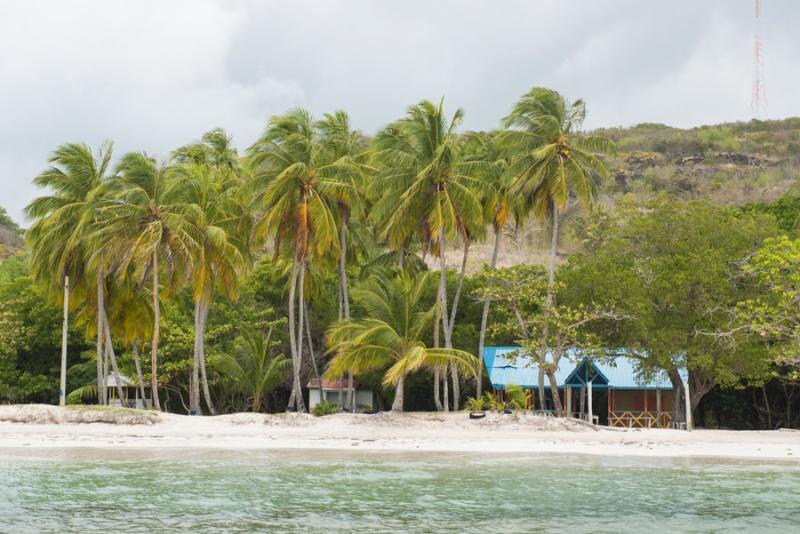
426 432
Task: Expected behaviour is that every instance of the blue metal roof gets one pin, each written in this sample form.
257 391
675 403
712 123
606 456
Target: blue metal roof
511 365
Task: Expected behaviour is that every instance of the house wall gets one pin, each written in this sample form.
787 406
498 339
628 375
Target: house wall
313 398
633 400
363 398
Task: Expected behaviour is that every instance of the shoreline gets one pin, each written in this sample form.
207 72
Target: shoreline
497 434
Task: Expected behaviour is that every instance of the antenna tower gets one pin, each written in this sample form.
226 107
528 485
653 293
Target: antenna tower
758 102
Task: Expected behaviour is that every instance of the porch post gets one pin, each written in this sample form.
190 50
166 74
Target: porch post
591 419
658 408
688 404
569 400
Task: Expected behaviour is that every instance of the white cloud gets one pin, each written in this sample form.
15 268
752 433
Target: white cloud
155 74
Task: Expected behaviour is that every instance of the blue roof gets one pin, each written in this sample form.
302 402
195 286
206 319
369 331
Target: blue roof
511 365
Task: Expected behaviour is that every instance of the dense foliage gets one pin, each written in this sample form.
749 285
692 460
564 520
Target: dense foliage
322 253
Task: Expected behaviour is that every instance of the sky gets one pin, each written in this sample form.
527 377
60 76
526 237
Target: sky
155 74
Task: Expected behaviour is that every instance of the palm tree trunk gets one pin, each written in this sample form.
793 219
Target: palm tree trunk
443 285
457 296
551 280
456 387
154 344
343 268
551 284
445 391
485 317
194 381
102 397
311 347
138 363
345 301
340 309
453 311
436 394
443 300
397 405
292 338
105 367
298 391
202 358
113 358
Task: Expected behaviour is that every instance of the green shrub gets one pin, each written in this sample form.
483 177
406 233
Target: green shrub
325 408
518 397
475 405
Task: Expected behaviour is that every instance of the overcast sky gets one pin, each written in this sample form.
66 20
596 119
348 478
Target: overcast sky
152 75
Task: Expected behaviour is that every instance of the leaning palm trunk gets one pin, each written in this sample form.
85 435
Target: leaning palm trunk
138 363
105 366
113 358
101 383
397 405
449 337
311 347
345 303
485 317
154 344
204 305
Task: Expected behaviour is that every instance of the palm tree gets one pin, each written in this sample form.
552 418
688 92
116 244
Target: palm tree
427 192
131 319
500 206
150 231
209 182
389 337
294 183
58 237
550 159
255 368
348 149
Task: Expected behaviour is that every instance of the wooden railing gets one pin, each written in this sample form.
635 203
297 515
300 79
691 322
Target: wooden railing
630 419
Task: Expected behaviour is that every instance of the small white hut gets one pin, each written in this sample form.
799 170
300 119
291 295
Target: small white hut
131 391
330 392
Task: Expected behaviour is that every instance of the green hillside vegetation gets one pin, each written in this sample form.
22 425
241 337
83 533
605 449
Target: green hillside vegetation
225 281
10 234
751 163
726 163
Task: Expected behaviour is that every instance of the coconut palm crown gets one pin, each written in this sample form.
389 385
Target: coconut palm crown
390 336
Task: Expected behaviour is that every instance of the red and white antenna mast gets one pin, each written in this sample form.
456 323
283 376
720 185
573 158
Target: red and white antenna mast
758 102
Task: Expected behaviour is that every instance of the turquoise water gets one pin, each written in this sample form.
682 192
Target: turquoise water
316 491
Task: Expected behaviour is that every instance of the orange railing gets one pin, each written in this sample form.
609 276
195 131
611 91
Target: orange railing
630 419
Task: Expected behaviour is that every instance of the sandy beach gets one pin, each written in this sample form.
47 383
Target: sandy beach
425 432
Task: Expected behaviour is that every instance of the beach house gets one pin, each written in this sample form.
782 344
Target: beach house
609 392
330 392
130 390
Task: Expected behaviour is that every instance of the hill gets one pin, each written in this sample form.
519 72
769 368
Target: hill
733 163
10 234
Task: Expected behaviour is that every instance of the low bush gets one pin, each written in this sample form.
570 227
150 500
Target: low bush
325 408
